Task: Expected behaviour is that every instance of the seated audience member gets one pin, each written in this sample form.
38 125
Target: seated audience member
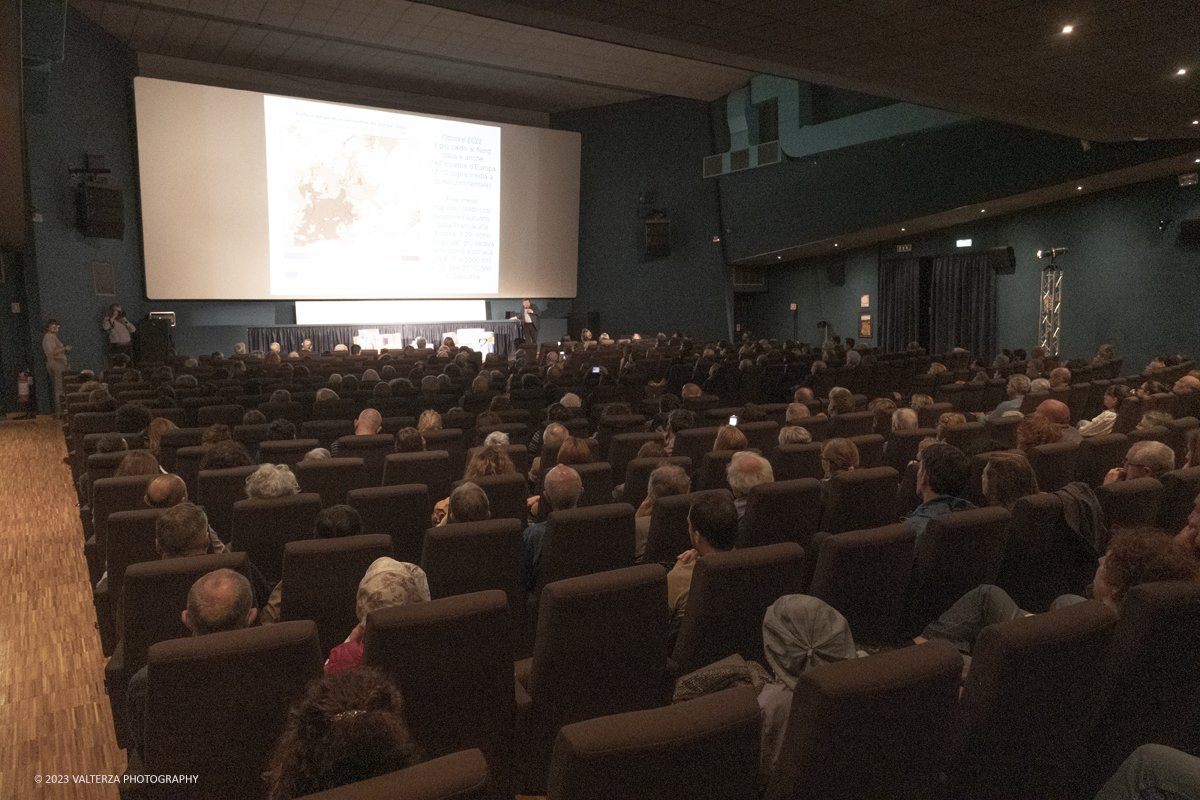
942 477
840 401
946 420
154 433
575 450
1007 478
409 440
795 412
348 727
316 454
1153 419
904 419
652 450
838 456
745 471
335 522
883 408
325 394
919 401
496 439
254 417
467 503
270 481
1154 771
225 455
183 529
386 584
690 390
803 396
1135 556
1102 423
1193 449
553 437
368 423
799 633
561 490
281 430
1104 355
1057 412
1018 387
216 433
1060 378
137 462
1039 386
1143 460
485 462
1186 385
221 600
429 420
712 527
1036 430
679 420
665 481
730 438
794 434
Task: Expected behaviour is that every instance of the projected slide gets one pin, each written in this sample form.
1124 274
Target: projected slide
406 205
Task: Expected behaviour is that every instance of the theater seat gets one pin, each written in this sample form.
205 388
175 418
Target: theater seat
459 776
702 748
402 512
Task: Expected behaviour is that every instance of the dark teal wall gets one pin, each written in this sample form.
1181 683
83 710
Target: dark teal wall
1124 281
655 144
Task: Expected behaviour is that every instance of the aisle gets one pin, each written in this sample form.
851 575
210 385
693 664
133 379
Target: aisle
54 715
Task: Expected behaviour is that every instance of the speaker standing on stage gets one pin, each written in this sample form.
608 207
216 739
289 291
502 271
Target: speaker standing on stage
120 331
529 322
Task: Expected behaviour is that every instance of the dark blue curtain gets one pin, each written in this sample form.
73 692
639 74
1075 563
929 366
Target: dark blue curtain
899 301
963 301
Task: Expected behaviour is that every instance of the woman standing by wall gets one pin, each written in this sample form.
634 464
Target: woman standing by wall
56 360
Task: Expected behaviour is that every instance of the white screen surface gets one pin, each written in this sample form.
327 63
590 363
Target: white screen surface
252 196
351 312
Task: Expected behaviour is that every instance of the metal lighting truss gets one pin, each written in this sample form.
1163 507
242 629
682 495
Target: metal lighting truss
1050 310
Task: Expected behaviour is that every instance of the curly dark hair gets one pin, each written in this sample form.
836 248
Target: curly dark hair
1145 554
348 727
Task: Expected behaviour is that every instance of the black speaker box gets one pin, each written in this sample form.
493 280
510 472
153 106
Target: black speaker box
151 340
1189 234
1003 260
835 272
101 212
658 238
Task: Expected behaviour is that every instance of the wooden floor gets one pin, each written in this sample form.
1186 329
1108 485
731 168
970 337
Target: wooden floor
54 715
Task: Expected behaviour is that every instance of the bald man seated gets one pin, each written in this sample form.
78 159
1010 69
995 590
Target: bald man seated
369 423
168 491
219 601
1057 412
561 491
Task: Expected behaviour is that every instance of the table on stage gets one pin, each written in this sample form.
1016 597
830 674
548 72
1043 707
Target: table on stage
325 337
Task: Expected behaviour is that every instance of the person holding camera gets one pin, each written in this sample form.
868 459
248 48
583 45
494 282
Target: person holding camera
120 331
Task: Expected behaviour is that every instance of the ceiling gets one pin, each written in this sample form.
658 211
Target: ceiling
1114 77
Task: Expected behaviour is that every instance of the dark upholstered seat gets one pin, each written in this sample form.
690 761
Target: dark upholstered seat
782 511
1128 504
730 592
864 575
869 728
600 649
459 776
218 490
372 450
1026 704
465 557
320 582
262 527
793 461
668 535
431 468
1044 558
637 476
402 512
452 660
861 499
332 478
958 552
216 704
702 748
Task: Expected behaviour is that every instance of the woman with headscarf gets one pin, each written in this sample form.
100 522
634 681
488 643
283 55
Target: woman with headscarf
799 633
386 584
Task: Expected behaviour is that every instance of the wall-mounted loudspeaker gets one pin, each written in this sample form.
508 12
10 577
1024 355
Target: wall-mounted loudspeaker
1003 260
658 238
101 212
835 272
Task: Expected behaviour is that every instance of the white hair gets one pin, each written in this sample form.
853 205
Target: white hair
496 439
271 480
747 470
571 400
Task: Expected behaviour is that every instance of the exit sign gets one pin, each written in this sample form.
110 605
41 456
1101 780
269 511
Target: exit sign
904 248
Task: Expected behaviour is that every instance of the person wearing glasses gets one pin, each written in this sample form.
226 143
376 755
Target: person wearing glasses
1144 460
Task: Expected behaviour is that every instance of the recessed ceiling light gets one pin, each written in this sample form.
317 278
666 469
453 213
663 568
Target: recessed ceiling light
1196 122
1080 188
1198 159
835 244
1181 71
983 211
1068 28
779 257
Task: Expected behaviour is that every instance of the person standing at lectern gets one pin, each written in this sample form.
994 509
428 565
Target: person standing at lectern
120 331
529 323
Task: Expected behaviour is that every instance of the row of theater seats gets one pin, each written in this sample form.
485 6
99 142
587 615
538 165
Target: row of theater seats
1052 705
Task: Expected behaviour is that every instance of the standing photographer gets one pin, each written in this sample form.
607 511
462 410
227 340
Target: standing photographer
120 332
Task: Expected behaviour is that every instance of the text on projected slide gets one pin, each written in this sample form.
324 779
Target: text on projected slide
409 204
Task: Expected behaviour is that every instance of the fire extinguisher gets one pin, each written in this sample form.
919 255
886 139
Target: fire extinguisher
25 393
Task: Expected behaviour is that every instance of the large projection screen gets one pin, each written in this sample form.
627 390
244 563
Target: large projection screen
247 196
